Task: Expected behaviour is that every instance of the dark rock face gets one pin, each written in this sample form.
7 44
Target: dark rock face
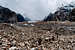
62 14
20 18
7 16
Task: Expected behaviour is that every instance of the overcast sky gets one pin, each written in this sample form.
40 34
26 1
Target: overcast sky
34 9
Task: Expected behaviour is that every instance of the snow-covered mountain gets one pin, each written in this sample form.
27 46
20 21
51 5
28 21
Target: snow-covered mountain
34 9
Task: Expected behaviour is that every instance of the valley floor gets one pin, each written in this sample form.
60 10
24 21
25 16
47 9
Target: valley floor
38 36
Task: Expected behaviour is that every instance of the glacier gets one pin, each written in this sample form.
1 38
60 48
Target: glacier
34 9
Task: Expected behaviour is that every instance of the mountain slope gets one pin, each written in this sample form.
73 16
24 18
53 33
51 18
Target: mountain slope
63 13
9 16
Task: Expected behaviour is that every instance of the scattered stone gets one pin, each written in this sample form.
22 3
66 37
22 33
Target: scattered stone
39 37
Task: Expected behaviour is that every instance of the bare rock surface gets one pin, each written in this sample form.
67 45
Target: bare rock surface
38 36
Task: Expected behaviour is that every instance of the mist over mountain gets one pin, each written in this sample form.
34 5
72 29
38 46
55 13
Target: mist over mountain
34 9
63 13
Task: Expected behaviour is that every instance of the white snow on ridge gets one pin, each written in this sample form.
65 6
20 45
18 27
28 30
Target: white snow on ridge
34 9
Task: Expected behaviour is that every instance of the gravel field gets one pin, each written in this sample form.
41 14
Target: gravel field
38 36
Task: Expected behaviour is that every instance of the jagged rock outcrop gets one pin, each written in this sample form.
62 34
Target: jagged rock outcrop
62 14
